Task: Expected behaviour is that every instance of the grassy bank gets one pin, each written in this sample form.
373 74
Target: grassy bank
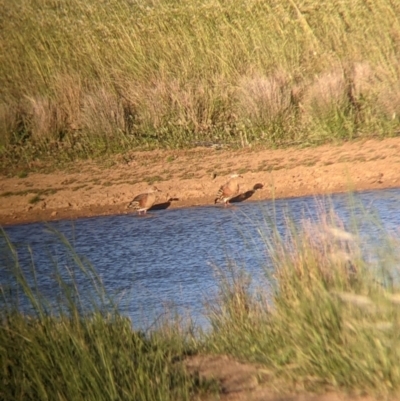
333 316
330 322
83 78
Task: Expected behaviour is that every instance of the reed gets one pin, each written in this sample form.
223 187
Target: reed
88 78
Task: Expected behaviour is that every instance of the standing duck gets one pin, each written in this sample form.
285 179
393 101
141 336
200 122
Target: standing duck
229 190
145 201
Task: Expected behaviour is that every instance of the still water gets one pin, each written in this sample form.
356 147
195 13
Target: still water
169 259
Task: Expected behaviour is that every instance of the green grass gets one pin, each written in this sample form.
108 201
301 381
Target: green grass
90 358
82 78
22 174
7 194
330 320
75 352
35 199
152 179
37 192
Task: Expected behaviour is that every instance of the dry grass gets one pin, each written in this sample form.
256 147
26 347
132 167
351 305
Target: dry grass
330 319
87 78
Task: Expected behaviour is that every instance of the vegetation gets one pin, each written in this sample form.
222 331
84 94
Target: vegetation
81 78
330 319
76 350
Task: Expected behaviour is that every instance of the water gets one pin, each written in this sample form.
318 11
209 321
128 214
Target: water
168 259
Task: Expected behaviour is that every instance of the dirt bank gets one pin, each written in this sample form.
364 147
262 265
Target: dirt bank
194 176
239 381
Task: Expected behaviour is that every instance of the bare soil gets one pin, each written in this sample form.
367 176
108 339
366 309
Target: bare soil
193 177
238 381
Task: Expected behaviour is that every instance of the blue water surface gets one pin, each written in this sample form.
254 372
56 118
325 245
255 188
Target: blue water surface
171 258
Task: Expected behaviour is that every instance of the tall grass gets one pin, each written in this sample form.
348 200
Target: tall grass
332 318
77 350
82 78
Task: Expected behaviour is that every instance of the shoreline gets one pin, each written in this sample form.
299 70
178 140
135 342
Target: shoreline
89 189
47 216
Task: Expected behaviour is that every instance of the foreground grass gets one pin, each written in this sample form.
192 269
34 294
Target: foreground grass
88 358
82 78
73 352
331 320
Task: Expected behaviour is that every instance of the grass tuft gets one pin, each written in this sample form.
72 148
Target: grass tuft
330 320
78 349
35 199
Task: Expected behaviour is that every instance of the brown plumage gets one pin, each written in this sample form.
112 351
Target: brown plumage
229 190
144 202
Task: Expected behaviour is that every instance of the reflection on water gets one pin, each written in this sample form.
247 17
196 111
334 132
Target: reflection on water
167 258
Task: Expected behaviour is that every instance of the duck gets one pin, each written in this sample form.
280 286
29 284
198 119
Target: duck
143 202
229 190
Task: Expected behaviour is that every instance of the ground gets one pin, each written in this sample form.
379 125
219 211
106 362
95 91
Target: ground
193 177
245 382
